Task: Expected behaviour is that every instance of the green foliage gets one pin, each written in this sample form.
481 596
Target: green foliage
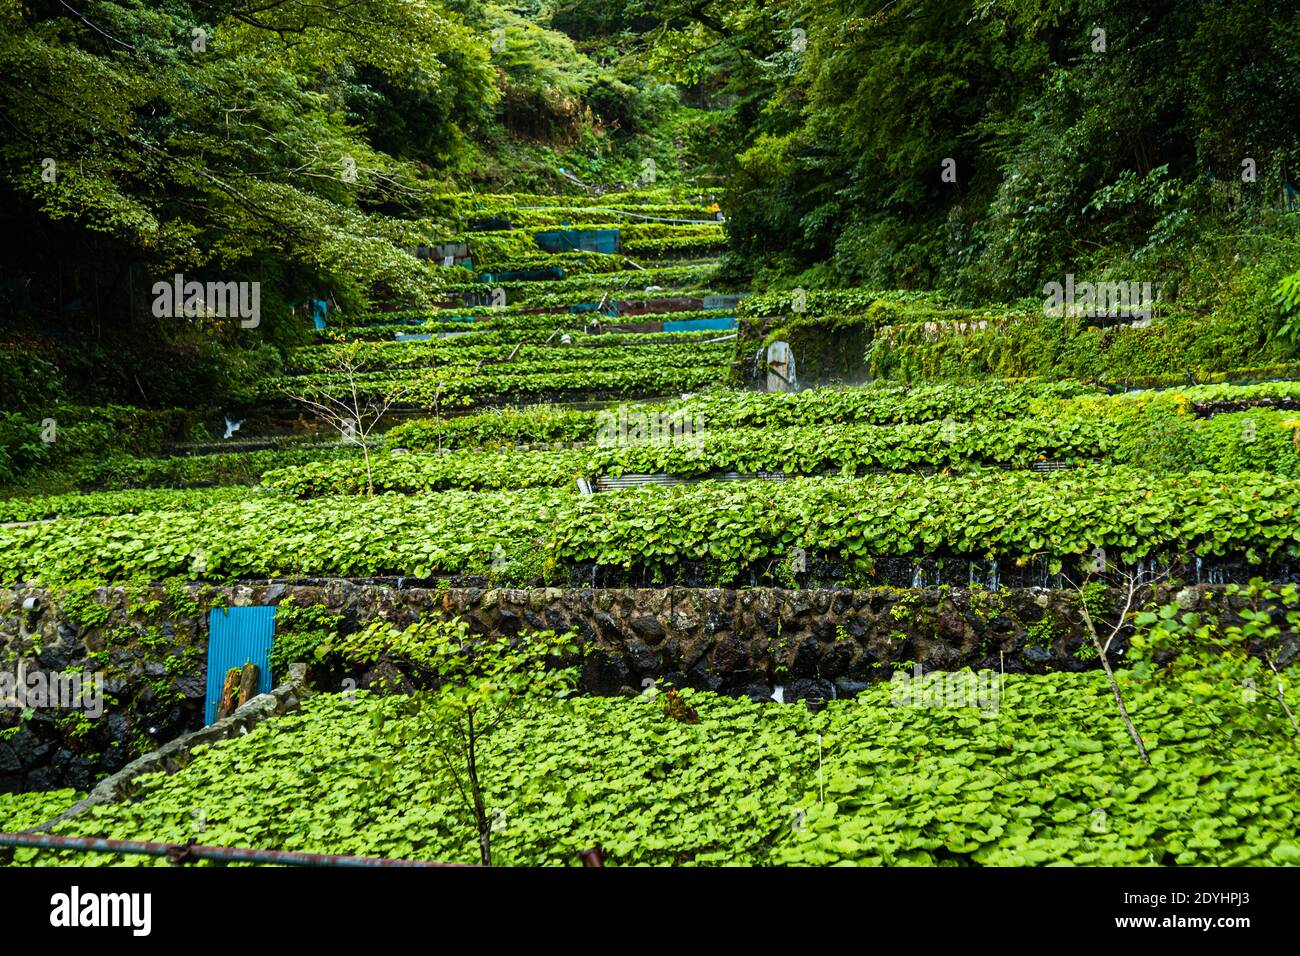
878 426
884 404
855 449
590 353
1246 667
1039 781
838 170
78 603
270 193
834 155
304 634
21 447
1287 297
418 474
791 449
496 428
228 468
633 373
1132 512
78 436
627 284
1172 350
484 683
27 383
21 811
115 503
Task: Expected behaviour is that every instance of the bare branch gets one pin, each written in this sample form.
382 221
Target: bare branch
1133 582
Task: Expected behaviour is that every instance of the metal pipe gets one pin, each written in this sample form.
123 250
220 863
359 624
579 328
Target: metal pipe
180 853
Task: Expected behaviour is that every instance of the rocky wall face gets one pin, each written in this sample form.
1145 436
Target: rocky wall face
815 644
150 645
139 659
826 350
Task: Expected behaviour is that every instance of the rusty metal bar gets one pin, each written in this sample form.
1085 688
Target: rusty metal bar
180 853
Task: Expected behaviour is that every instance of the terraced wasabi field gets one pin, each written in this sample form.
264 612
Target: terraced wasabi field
606 424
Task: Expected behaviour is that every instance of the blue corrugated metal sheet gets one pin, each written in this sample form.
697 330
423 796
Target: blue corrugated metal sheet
698 325
238 636
579 240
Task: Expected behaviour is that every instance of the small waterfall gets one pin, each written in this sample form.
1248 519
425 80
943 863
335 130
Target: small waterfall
984 574
918 576
778 693
1199 562
232 426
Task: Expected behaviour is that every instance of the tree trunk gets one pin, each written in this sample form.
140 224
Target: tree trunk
480 810
1119 700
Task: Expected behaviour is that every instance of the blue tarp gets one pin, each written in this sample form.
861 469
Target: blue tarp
611 308
579 240
523 275
700 325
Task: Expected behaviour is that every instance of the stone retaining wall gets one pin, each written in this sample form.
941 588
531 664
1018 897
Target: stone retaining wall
150 643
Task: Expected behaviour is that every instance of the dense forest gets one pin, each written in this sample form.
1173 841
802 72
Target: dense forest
976 148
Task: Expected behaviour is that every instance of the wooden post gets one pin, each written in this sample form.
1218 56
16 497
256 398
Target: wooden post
229 690
248 684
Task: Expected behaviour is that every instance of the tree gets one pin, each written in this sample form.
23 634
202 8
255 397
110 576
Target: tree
480 683
846 154
1132 584
214 135
343 402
